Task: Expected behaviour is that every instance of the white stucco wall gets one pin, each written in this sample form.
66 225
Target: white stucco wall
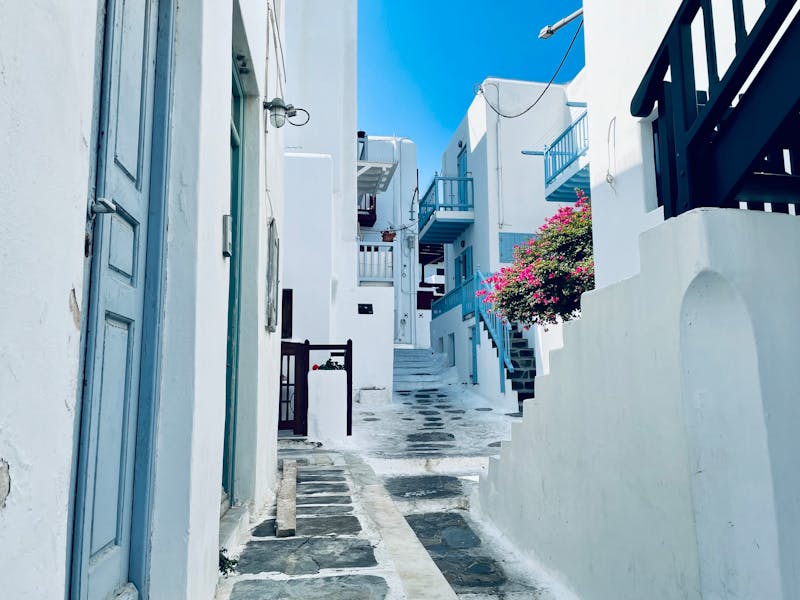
617 33
397 207
320 46
191 424
308 245
327 406
372 335
43 198
670 410
450 323
489 375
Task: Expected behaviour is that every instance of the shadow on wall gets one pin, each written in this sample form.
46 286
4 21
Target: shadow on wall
729 462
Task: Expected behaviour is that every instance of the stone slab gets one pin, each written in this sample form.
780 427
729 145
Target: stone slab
349 587
324 500
304 556
457 551
424 487
329 525
434 436
265 529
322 488
336 509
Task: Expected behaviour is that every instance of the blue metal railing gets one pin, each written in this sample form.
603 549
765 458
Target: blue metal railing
499 329
566 148
462 295
446 193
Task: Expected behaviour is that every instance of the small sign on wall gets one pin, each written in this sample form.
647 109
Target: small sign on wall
365 309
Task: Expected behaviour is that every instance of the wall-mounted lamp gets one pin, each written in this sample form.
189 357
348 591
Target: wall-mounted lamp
280 113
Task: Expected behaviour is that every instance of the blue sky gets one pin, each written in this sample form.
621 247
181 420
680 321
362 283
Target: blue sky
419 60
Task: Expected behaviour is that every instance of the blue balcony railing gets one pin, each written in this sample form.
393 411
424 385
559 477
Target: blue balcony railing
463 295
446 193
566 148
499 329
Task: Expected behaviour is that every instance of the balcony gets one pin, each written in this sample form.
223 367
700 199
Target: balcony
376 263
446 210
566 163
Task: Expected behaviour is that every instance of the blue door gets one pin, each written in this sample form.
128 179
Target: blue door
461 166
234 310
103 536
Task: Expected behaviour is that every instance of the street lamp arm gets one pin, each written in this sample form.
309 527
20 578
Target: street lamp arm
549 30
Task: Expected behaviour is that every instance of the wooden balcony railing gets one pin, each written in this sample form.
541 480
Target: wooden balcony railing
729 143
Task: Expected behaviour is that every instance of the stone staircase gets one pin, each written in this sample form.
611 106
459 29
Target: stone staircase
524 360
416 369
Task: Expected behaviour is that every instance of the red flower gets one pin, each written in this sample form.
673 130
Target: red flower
315 368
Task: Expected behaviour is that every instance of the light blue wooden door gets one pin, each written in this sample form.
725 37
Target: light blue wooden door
110 410
461 166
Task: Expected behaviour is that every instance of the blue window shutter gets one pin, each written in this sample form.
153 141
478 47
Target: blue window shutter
468 259
457 269
509 240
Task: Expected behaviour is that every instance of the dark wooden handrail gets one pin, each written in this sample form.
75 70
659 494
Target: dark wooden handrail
690 121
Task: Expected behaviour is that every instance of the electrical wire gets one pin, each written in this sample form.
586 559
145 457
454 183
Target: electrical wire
544 91
278 44
308 118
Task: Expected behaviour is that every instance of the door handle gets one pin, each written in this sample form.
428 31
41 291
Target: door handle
103 206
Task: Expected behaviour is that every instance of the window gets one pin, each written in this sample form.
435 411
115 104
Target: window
273 249
509 240
463 266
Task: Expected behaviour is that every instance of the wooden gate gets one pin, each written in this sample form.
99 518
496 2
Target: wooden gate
295 364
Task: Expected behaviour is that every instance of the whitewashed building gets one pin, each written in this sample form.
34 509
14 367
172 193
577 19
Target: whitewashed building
143 212
657 459
393 214
490 197
329 275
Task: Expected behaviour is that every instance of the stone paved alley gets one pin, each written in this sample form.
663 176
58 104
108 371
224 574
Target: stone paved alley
392 514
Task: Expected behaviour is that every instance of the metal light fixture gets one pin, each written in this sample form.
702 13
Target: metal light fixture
549 30
280 113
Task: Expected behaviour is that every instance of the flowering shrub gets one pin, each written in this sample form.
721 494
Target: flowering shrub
549 274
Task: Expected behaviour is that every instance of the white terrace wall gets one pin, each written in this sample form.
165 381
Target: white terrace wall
621 33
658 459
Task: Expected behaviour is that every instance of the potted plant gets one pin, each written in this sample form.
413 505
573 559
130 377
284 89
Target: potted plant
388 234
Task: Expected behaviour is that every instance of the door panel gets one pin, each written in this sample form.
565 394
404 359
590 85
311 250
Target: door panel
104 503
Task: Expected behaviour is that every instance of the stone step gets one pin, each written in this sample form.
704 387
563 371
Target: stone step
523 352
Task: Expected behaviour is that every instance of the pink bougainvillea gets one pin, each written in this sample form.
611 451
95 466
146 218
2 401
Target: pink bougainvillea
550 272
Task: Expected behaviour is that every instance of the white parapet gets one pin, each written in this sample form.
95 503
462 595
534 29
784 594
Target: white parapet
658 459
327 405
